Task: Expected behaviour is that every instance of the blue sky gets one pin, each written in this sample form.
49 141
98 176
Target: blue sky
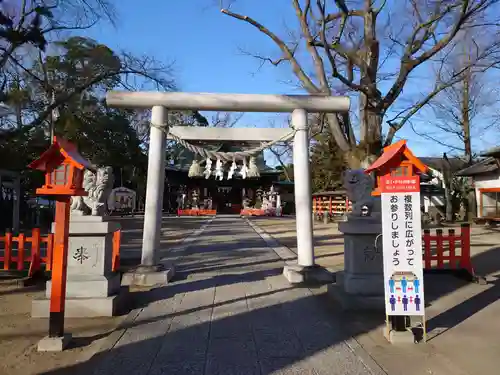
206 48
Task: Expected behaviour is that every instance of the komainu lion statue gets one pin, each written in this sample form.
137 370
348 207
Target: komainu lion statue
98 185
359 187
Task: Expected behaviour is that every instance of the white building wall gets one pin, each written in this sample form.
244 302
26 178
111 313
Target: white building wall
485 182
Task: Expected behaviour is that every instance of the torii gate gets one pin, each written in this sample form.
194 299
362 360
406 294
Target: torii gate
161 102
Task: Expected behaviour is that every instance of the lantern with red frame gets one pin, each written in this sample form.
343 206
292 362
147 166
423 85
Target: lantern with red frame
64 168
396 160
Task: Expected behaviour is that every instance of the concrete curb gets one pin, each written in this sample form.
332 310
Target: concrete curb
285 253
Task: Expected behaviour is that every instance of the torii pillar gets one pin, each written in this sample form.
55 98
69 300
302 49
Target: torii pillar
151 272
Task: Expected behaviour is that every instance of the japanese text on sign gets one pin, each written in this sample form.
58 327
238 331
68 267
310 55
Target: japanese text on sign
402 246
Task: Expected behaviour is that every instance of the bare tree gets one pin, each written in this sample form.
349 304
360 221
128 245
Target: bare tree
34 22
348 44
461 110
226 119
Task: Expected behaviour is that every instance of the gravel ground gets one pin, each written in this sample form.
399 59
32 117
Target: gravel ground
19 333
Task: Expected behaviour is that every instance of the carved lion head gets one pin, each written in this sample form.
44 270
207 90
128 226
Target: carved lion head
358 184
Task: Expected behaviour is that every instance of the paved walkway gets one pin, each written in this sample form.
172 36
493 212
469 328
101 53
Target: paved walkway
231 312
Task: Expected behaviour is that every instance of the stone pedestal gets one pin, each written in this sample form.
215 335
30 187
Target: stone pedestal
92 290
296 274
361 285
149 277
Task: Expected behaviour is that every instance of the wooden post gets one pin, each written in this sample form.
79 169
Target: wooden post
452 238
20 252
439 248
427 249
465 261
50 250
35 251
8 251
59 267
116 251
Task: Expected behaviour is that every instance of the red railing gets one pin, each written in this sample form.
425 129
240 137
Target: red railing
253 212
331 206
196 212
441 251
115 262
22 254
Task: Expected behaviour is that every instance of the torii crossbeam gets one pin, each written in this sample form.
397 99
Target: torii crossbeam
161 102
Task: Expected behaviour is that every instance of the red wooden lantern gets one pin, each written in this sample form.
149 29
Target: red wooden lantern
63 167
396 160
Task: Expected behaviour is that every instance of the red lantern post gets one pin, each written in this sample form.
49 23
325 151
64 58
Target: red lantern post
63 167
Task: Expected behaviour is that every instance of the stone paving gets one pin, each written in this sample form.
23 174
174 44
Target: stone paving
462 318
230 312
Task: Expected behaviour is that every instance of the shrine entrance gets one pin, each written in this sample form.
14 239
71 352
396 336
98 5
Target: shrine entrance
160 102
227 199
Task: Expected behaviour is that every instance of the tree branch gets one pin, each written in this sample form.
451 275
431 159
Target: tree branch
288 55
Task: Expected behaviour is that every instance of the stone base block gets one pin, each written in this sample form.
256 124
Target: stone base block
83 307
296 274
400 337
361 284
89 286
149 277
355 301
54 344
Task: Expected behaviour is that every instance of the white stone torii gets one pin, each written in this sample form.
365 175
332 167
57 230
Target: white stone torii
161 102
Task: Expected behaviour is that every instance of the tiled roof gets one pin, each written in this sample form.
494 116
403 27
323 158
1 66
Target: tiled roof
487 165
494 152
439 163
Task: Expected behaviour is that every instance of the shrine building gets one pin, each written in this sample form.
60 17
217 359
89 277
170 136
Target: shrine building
226 196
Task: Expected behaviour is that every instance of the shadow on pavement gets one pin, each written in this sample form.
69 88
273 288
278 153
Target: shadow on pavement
255 342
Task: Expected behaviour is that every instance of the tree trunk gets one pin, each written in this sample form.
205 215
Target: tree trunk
466 117
449 203
447 182
370 146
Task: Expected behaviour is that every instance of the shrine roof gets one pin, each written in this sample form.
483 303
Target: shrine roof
62 147
392 152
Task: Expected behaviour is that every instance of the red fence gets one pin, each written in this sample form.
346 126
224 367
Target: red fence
330 205
115 261
451 251
196 212
441 251
253 212
28 250
36 254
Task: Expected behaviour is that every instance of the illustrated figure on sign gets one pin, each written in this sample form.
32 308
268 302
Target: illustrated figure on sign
392 301
405 303
392 285
417 302
404 284
416 285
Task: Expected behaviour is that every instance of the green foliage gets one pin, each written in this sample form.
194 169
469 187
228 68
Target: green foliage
80 73
327 163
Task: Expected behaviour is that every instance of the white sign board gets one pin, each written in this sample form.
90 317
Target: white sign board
402 246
